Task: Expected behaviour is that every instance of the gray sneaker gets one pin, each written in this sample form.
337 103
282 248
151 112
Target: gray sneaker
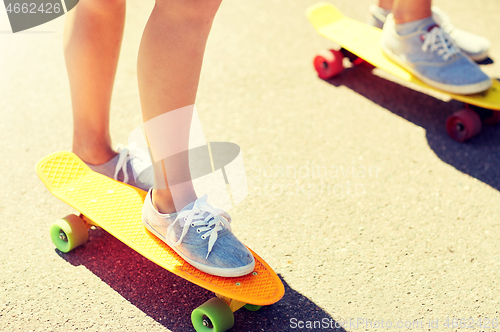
202 236
475 46
431 55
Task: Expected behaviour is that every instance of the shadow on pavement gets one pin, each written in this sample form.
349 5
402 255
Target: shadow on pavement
487 61
479 157
169 299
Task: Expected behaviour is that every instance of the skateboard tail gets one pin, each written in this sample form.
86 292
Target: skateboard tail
59 169
261 287
323 14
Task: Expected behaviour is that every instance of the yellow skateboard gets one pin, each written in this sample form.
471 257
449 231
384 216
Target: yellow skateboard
361 42
117 208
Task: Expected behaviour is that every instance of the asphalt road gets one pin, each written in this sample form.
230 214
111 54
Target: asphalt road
360 201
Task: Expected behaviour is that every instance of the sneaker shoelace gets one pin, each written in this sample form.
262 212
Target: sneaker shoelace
202 214
440 42
139 160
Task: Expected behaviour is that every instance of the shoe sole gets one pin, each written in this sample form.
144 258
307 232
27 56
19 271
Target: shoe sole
217 271
377 20
455 89
478 57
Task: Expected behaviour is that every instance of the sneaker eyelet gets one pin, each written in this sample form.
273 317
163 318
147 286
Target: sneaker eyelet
198 230
203 237
192 225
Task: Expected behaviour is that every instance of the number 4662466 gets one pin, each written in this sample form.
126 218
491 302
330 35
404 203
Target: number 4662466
31 8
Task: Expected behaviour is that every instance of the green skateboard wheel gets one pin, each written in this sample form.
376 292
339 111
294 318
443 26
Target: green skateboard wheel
212 316
68 233
252 307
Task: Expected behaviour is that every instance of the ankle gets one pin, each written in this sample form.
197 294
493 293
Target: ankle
162 201
385 4
92 146
401 17
94 155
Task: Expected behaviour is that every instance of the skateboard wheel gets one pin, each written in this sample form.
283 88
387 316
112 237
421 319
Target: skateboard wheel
212 316
463 125
329 63
489 117
252 307
358 61
492 120
68 233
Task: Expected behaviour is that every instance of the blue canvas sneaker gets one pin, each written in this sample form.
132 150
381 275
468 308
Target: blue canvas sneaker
202 236
425 50
475 46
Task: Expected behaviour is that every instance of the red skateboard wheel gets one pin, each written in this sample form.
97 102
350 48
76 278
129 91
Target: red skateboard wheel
329 64
463 125
492 120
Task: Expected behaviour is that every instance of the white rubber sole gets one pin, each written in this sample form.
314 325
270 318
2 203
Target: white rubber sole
216 271
455 89
478 57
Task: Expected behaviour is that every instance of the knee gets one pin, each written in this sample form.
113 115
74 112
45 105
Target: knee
102 5
196 11
112 3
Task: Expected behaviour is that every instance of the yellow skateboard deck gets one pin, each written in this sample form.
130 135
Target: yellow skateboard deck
363 41
117 208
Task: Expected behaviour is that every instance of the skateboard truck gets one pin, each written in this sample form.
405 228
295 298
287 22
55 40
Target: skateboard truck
63 236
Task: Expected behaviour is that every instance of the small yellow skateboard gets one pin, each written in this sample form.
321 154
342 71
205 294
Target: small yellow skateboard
361 42
117 208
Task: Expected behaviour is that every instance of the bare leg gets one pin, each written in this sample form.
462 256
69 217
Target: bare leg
385 4
92 40
169 66
411 10
407 10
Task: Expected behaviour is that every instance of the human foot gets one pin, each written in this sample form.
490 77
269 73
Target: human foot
475 46
202 236
130 165
424 49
